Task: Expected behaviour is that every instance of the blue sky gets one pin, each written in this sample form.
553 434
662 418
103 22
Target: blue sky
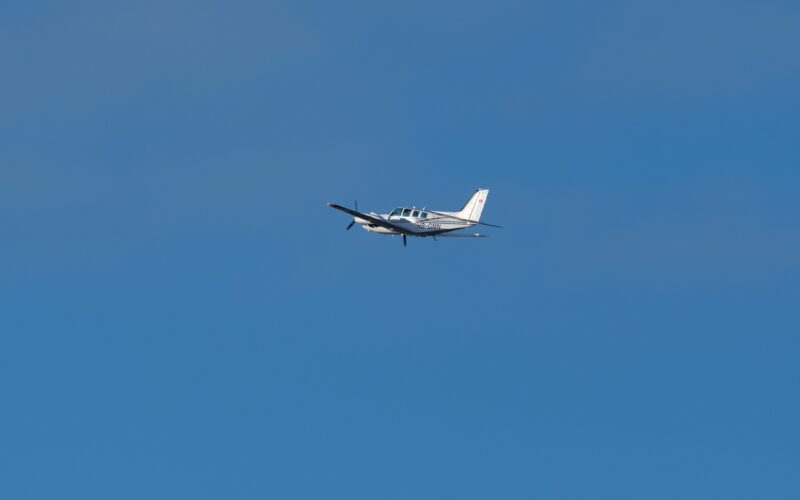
181 315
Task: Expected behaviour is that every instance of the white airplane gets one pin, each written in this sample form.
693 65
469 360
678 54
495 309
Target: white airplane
421 222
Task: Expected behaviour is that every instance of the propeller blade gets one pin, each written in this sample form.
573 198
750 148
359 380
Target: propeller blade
351 224
405 243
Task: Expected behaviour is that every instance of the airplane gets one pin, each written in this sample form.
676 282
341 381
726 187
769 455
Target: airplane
421 222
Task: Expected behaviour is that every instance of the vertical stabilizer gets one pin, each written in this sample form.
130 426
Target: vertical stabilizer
474 206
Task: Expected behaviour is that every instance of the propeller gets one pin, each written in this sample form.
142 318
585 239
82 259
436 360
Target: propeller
354 220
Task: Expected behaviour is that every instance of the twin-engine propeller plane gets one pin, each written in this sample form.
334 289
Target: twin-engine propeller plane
421 222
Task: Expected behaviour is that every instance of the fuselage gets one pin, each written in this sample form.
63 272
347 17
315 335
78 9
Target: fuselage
418 222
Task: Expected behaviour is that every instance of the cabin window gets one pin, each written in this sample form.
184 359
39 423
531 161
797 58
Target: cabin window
415 213
406 212
423 215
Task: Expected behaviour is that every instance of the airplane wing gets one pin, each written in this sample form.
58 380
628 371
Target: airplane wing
374 220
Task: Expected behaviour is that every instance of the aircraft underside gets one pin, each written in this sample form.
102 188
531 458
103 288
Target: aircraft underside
420 234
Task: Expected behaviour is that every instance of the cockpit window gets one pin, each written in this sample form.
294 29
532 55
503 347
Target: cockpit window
406 212
415 213
396 211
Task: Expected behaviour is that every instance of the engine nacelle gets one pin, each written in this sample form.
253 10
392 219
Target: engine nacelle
373 228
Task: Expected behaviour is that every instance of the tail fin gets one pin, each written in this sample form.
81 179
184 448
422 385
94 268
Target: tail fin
474 206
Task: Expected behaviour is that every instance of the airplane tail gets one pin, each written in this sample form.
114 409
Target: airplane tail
474 207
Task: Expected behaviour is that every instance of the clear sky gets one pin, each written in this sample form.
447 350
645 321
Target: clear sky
181 316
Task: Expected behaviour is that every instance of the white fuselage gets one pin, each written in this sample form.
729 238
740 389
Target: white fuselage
429 225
